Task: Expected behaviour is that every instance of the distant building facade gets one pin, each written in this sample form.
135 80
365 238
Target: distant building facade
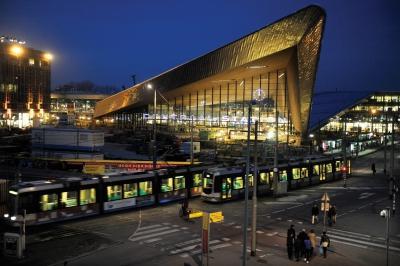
24 84
363 124
74 107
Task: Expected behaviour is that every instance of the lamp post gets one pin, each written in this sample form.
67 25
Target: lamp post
246 190
344 150
255 174
149 86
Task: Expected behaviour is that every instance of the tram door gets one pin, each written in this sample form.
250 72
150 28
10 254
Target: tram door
226 190
322 175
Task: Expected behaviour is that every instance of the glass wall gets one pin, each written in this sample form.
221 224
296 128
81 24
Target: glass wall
223 108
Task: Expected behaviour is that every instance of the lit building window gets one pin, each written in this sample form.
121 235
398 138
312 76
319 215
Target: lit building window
31 61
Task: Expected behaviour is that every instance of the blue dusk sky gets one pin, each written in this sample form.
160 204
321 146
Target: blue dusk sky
108 41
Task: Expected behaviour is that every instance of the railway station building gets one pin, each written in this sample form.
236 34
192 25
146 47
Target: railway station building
364 124
270 73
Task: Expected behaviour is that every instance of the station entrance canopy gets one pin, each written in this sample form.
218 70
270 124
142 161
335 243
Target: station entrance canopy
273 67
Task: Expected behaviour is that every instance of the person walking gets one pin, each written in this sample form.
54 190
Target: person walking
314 213
307 248
334 214
325 242
297 248
302 236
291 236
329 213
313 238
373 168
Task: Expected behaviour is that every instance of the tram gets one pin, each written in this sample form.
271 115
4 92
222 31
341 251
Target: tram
59 199
52 200
224 184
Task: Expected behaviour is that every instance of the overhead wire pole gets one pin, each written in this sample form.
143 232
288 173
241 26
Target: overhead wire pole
246 190
155 131
255 175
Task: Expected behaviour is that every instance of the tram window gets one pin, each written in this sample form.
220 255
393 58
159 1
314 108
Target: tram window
130 190
179 182
197 180
26 202
238 183
283 175
316 170
69 199
207 181
329 168
338 164
114 192
264 178
166 184
48 202
250 180
304 172
87 196
145 188
296 173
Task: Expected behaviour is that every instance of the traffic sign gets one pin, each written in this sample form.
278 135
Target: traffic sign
216 217
195 214
325 197
325 206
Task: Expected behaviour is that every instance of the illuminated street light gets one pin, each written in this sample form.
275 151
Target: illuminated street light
48 56
16 50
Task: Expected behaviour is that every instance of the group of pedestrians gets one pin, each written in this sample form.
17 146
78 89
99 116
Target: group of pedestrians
331 214
304 244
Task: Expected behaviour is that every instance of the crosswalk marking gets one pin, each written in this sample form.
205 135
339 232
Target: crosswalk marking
195 252
188 248
369 243
153 240
133 238
151 231
148 227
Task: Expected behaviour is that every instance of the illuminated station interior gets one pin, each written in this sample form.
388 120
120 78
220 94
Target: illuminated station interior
270 73
364 123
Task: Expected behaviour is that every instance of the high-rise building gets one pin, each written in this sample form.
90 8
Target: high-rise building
24 84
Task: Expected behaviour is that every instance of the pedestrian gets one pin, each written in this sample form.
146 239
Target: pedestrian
331 215
302 236
373 168
313 238
291 236
325 242
297 248
314 213
308 250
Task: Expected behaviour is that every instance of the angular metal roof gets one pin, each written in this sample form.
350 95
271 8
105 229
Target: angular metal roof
302 30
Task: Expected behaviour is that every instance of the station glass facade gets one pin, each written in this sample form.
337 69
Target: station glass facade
224 108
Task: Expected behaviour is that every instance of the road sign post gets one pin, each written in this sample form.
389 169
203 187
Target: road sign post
325 206
205 234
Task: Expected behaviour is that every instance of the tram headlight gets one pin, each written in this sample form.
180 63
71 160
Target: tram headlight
13 218
6 215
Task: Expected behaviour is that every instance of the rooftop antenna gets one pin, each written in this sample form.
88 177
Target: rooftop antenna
134 79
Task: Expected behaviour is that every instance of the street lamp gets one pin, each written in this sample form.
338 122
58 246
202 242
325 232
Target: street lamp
149 86
386 214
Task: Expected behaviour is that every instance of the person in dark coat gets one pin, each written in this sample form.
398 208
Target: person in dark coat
291 236
308 249
297 248
325 243
302 236
314 213
373 168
